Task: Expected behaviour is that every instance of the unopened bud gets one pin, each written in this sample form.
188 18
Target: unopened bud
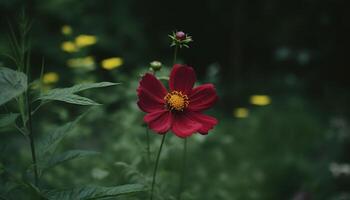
180 39
180 35
156 65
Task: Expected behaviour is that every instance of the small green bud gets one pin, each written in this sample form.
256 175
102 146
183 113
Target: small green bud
156 65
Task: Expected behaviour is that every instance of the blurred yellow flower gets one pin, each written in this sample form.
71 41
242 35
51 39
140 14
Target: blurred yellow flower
260 100
85 40
84 62
50 77
69 47
111 63
66 30
241 112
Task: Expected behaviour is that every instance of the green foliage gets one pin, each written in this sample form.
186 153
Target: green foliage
55 160
68 94
93 192
14 184
12 84
48 144
8 119
73 99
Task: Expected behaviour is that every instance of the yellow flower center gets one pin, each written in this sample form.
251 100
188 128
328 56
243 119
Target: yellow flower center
176 101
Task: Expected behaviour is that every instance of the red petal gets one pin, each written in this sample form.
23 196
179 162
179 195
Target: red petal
151 93
207 121
159 121
148 103
184 126
202 97
182 78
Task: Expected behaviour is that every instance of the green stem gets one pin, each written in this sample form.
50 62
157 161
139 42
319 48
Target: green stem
156 166
21 106
31 140
175 54
183 172
148 146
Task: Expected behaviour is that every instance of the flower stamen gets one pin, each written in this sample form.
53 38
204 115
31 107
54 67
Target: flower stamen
176 100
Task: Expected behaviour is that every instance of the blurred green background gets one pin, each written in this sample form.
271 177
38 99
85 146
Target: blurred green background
278 66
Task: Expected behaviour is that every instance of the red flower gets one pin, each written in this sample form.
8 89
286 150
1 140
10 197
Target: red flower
180 109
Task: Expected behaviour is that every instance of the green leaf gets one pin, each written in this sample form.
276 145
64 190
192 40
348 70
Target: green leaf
64 157
12 84
93 192
68 94
73 99
15 182
7 119
49 143
85 86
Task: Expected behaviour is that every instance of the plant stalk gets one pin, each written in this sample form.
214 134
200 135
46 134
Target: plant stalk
31 140
183 172
148 146
156 166
175 54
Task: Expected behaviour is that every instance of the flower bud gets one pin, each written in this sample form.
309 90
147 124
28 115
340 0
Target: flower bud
180 39
180 35
156 65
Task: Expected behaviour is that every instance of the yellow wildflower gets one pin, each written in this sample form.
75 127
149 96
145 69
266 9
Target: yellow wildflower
260 100
50 77
85 40
66 30
69 47
84 62
241 112
111 63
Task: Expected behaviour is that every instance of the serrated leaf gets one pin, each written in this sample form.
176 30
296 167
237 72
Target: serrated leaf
64 157
67 94
80 87
7 119
12 84
93 192
15 182
73 99
50 142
